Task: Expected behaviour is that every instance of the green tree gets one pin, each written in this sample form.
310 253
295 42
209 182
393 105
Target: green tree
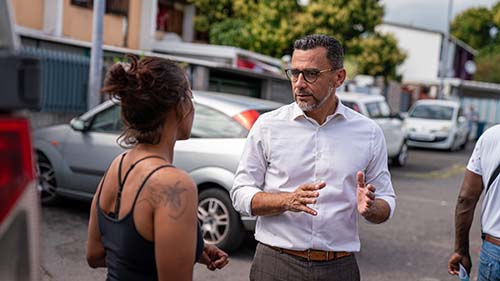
376 55
472 26
488 64
271 26
210 12
342 19
261 26
495 14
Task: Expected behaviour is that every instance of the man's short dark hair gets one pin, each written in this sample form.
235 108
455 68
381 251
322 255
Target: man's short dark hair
335 52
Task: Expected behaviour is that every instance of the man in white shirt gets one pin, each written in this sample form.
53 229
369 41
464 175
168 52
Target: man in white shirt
481 175
308 169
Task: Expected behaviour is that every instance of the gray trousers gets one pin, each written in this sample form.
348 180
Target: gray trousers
272 265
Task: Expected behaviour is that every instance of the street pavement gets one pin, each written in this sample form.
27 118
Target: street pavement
413 246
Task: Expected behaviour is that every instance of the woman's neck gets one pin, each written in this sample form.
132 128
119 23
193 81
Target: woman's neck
160 149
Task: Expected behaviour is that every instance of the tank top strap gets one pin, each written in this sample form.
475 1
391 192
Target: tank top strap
146 179
133 166
122 183
100 190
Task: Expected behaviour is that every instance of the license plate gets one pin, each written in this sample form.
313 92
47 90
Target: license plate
422 137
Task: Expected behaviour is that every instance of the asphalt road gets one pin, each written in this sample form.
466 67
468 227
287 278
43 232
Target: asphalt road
413 246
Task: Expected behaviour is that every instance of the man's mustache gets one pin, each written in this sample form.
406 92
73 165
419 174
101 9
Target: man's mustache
302 93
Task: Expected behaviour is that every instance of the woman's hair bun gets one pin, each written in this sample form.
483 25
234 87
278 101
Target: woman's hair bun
147 89
120 80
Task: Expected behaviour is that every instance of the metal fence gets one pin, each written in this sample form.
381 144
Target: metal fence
488 109
65 80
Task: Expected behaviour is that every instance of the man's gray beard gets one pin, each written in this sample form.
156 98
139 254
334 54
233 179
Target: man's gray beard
307 107
317 103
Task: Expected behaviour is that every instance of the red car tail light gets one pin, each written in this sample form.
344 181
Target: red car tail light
16 161
247 118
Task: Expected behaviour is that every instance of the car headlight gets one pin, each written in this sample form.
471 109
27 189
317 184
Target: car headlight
444 130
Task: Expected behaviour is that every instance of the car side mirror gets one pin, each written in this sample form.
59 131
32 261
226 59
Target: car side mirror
78 124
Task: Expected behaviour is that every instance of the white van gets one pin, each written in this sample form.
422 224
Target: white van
436 124
376 107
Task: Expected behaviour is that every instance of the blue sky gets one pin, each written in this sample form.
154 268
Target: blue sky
427 13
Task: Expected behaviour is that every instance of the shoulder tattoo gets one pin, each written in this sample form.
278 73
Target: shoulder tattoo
167 196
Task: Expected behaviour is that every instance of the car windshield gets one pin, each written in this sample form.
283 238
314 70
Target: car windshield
211 123
436 112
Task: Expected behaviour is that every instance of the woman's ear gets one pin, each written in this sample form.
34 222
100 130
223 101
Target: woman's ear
184 108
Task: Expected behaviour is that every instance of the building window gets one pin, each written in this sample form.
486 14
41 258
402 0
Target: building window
170 16
115 7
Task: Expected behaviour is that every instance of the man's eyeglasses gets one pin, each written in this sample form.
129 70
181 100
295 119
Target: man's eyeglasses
309 74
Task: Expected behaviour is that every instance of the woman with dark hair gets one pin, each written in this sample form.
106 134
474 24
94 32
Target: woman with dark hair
143 220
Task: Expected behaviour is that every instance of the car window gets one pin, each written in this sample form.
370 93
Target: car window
437 112
385 111
210 123
107 120
378 109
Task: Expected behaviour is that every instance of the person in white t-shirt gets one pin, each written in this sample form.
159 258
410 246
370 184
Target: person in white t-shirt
308 170
480 177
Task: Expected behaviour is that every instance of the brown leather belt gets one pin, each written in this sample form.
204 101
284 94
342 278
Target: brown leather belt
313 255
492 239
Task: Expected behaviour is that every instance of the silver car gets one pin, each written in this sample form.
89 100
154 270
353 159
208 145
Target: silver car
73 157
376 107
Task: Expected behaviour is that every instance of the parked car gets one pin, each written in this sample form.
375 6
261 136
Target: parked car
73 157
376 107
19 205
437 124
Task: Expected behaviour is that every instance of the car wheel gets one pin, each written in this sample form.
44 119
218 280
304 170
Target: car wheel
454 144
220 223
46 180
400 159
464 144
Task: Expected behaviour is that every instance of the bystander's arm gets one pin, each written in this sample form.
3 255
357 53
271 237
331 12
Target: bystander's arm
471 189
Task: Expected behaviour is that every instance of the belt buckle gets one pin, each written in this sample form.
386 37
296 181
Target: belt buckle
308 254
327 253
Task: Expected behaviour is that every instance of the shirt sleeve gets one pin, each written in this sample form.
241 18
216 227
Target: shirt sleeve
249 178
377 171
474 164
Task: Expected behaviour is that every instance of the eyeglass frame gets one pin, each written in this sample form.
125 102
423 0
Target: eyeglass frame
293 79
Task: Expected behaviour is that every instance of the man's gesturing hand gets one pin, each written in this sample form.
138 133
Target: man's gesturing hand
365 196
305 194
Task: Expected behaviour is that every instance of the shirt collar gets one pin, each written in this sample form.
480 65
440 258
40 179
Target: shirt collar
340 111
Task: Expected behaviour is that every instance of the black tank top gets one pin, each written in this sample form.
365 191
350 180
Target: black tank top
129 256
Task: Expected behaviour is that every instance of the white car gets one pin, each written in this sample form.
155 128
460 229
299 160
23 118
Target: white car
436 124
376 107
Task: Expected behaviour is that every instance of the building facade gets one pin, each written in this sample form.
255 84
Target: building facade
61 30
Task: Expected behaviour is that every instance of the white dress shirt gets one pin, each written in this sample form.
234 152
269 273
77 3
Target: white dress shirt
484 160
285 149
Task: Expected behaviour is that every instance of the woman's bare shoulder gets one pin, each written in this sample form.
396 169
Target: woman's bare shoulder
171 189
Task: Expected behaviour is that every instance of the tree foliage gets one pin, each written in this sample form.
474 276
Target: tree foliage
271 26
341 19
473 27
488 64
376 55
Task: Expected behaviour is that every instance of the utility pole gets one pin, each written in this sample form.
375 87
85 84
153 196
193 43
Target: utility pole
95 73
443 73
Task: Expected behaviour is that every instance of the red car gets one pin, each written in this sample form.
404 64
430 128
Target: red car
19 199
